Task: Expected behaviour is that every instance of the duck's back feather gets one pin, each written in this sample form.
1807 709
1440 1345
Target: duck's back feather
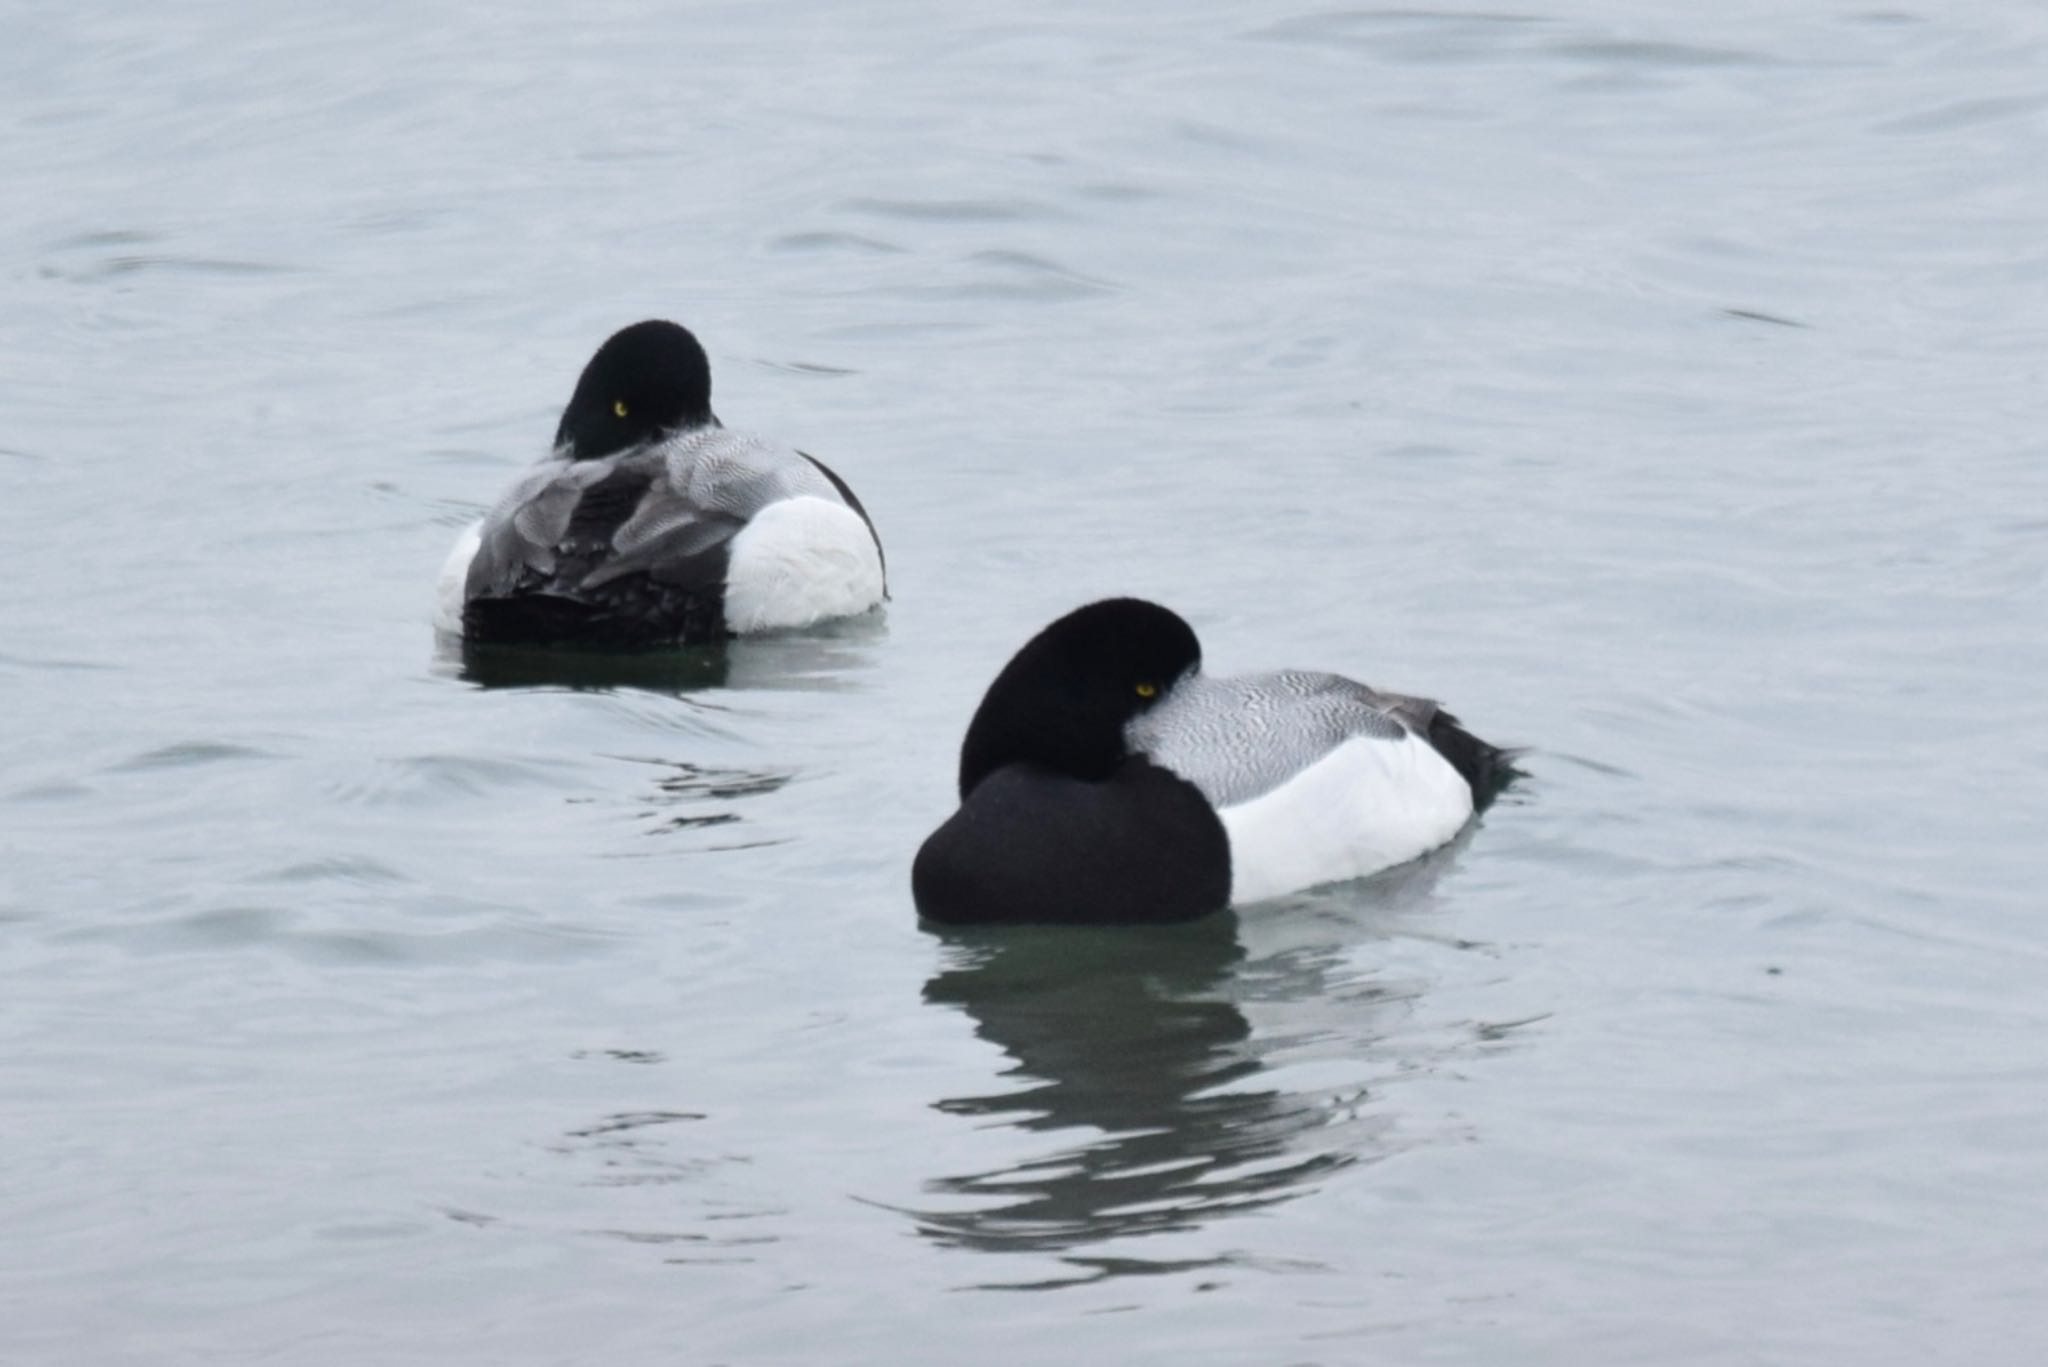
1319 778
632 549
1238 737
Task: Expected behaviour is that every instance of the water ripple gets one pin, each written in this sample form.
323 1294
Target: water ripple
354 869
115 267
1965 113
692 796
284 930
32 662
1641 53
1421 35
825 241
414 780
1249 1068
189 754
654 1159
953 210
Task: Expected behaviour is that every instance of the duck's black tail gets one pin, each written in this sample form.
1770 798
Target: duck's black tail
526 619
1488 768
634 612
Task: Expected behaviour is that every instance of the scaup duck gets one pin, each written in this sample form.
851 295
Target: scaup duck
652 524
1106 779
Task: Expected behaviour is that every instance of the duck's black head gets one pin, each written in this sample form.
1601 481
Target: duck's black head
1063 700
646 380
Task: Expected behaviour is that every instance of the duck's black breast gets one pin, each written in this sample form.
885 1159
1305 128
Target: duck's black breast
1029 845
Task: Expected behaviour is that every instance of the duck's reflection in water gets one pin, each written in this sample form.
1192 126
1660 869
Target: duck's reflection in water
1190 1072
663 671
686 697
829 657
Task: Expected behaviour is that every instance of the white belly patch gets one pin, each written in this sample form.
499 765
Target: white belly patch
1367 805
800 561
448 592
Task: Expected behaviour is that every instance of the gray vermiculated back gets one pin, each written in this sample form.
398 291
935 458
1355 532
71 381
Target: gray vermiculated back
703 485
1237 738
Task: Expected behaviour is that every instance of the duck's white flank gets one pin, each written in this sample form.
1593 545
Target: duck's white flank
1367 805
799 561
448 591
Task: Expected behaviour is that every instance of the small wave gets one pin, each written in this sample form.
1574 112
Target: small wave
821 242
189 754
953 210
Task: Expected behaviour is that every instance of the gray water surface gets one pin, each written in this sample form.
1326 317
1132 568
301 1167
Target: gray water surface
1664 386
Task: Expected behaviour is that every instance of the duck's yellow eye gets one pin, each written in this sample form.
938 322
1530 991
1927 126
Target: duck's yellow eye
1146 690
619 408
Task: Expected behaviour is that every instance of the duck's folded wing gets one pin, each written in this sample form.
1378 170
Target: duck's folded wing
1417 713
1487 768
572 527
523 534
669 537
701 488
1239 738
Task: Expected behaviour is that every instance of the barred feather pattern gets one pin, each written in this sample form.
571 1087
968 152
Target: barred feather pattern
1241 737
702 485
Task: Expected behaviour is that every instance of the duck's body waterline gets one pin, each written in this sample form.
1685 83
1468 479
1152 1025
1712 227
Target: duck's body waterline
1106 779
1317 778
651 524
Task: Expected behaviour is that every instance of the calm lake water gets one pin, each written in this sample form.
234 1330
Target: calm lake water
1663 385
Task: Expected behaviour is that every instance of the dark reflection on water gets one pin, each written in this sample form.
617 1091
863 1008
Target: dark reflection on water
700 791
712 1217
694 796
666 671
825 658
1143 1040
1131 1036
